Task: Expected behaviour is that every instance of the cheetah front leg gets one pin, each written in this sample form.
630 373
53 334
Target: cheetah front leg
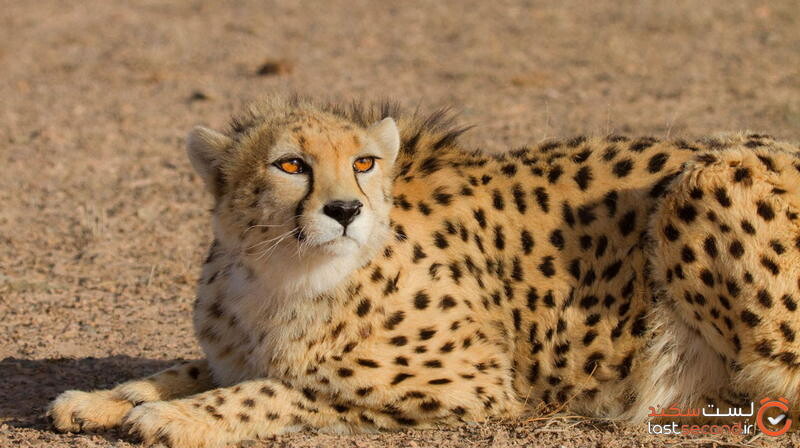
75 410
247 411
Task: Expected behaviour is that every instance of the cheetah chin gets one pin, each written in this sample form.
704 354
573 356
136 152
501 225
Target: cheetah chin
368 273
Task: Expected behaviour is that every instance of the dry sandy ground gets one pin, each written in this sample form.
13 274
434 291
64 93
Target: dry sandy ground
103 224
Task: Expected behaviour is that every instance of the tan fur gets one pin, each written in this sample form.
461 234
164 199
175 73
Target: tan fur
472 286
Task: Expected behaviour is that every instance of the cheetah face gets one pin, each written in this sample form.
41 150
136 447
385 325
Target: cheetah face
308 187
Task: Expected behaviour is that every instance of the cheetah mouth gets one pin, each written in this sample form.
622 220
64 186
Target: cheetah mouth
337 241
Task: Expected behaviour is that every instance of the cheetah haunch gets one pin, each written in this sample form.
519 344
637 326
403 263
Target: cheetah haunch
368 274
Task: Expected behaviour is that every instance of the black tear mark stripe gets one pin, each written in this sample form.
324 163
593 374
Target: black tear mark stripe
301 206
358 184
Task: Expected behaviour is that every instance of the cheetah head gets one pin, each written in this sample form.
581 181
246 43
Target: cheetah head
298 185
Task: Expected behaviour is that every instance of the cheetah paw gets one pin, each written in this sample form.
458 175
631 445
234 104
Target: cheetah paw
76 411
176 425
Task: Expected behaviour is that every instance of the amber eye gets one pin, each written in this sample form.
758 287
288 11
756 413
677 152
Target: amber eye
363 164
291 166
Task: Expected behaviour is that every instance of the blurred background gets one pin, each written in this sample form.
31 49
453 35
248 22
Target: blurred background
103 225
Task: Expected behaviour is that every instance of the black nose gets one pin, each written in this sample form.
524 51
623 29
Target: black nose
343 211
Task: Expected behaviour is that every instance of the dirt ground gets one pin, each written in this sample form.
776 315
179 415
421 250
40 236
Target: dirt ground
103 225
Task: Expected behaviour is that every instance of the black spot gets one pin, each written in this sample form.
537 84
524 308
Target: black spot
687 213
583 177
610 201
628 223
789 302
480 217
368 363
424 208
345 372
400 377
447 302
768 163
736 249
509 169
440 381
310 394
533 297
394 320
439 240
497 200
419 254
659 189
750 319
582 156
555 172
430 165
611 270
722 197
441 197
788 333
542 199
401 361
557 239
575 268
642 144
519 198
764 348
589 301
363 307
592 362
741 174
687 254
527 242
657 162
567 214
748 228
624 368
421 300
639 326
710 246
602 245
609 153
400 233
549 300
671 232
398 341
765 211
770 265
586 214
707 277
622 168
777 247
546 267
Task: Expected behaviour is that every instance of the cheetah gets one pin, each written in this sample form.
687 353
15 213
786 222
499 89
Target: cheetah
368 273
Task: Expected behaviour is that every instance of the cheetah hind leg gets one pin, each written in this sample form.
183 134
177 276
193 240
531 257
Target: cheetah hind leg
75 411
726 255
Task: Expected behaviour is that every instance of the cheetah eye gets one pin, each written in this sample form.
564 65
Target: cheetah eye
292 166
363 164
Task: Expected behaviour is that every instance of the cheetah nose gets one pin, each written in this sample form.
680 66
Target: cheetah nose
343 211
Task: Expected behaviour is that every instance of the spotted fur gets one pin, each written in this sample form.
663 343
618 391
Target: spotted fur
600 276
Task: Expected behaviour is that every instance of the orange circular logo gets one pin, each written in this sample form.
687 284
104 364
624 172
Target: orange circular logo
766 404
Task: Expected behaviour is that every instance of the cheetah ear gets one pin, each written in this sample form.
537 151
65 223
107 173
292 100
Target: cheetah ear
387 137
205 148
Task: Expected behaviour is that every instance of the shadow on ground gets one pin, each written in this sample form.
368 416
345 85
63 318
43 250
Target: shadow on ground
27 386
